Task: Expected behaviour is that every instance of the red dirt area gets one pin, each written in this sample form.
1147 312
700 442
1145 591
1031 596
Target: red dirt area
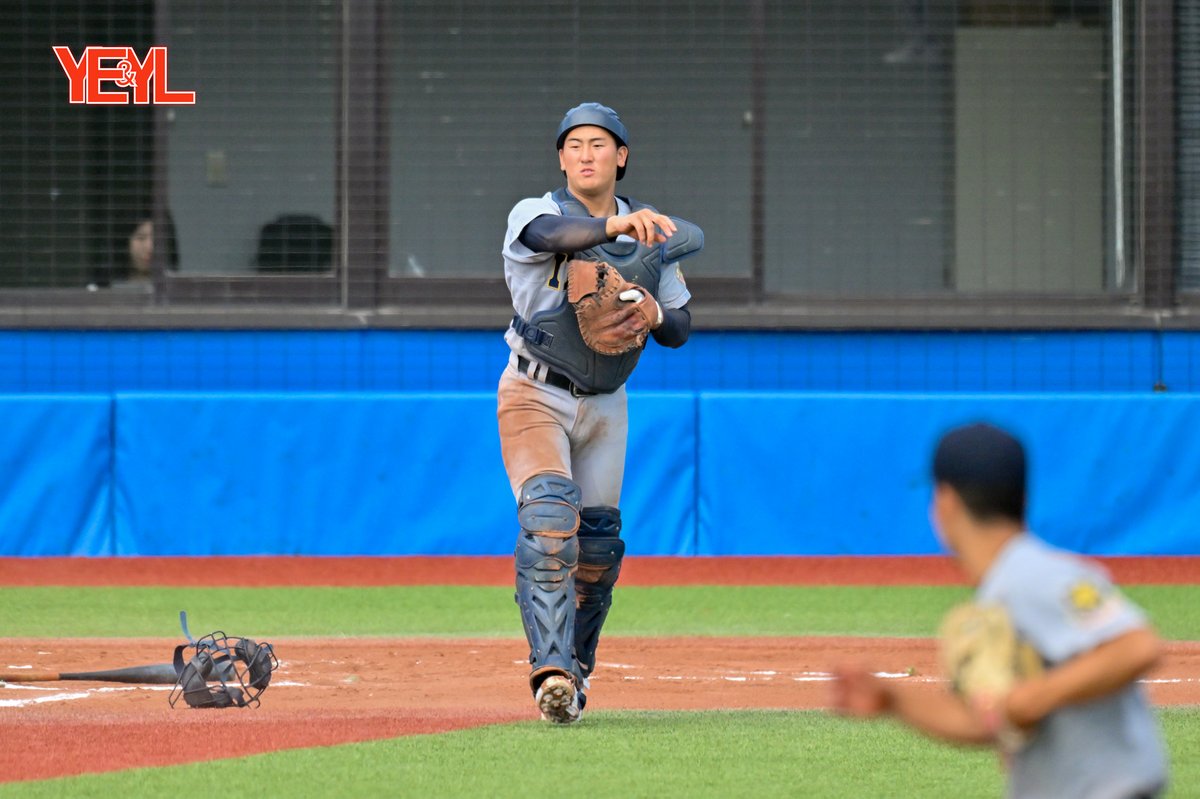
342 690
487 570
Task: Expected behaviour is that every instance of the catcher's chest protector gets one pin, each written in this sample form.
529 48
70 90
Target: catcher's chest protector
553 336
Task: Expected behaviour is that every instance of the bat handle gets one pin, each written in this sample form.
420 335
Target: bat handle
30 676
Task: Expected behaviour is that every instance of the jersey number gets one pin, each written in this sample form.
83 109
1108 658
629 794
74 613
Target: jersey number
554 282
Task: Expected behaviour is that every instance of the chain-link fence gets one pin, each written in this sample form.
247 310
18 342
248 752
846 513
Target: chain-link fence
861 162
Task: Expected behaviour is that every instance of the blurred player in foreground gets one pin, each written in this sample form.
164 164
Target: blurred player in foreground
592 275
1076 725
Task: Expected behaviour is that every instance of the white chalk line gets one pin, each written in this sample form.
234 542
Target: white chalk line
1173 681
70 695
763 675
37 700
58 695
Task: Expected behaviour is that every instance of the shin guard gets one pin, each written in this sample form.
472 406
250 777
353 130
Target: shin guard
600 552
547 555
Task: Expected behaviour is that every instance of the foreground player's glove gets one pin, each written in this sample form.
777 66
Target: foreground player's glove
985 658
607 306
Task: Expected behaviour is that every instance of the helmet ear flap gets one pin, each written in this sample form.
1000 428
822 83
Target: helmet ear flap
259 659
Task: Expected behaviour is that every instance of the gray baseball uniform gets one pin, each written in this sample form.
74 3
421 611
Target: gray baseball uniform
561 402
1109 748
544 429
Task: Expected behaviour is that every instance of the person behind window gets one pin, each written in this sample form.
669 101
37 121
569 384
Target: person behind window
131 262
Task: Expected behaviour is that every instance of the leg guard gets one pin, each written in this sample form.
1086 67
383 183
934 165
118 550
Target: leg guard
547 555
600 554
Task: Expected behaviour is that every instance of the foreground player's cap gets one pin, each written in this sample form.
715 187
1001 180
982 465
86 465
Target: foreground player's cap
982 455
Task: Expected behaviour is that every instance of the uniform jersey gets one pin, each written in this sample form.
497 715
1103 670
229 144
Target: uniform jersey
536 280
1108 748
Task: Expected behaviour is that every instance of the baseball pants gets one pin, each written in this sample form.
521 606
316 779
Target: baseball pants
544 429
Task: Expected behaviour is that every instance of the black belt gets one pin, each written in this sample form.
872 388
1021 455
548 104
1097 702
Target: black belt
552 378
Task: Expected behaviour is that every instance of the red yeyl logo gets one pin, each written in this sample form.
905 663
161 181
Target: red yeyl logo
121 66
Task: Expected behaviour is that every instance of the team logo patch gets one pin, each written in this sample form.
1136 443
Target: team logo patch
1093 603
1085 597
679 275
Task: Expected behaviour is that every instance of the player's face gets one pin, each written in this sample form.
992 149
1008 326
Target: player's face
590 157
941 512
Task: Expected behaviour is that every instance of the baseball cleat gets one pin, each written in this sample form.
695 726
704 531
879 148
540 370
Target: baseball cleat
558 700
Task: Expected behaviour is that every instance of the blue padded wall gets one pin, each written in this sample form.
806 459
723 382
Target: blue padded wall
1181 361
905 361
836 474
364 474
421 360
309 474
714 473
658 500
384 441
55 465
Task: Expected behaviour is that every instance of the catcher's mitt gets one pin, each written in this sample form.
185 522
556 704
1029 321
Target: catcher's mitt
985 658
595 290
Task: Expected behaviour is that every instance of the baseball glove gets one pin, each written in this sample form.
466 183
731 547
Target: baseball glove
605 305
985 658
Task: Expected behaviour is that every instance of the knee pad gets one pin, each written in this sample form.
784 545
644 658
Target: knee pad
544 560
600 546
601 521
549 506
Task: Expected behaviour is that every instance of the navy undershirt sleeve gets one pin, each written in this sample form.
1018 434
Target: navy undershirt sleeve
550 233
676 326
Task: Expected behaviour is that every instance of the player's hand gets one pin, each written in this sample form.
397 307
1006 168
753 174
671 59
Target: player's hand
621 326
648 227
858 692
651 309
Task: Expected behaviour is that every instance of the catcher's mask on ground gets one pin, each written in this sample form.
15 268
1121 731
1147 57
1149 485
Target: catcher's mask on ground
240 667
602 117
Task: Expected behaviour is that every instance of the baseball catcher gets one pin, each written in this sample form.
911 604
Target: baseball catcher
593 276
240 668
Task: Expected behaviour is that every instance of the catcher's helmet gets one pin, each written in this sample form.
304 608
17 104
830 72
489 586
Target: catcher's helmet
602 117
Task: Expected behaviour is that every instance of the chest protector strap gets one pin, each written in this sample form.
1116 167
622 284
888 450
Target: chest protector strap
552 336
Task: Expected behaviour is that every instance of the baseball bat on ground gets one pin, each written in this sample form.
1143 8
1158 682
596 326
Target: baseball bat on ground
156 674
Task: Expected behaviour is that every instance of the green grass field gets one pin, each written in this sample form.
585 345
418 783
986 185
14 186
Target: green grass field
699 754
469 611
617 754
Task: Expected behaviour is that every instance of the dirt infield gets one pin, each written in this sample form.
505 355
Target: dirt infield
344 690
